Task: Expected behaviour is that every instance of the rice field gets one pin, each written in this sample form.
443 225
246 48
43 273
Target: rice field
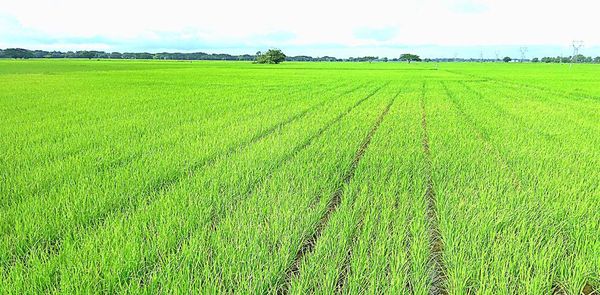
299 178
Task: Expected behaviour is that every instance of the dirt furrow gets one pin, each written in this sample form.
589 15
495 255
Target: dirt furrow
484 139
436 245
343 276
309 244
504 113
557 288
305 144
520 85
109 167
164 185
217 213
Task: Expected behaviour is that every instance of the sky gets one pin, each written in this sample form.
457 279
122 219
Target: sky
341 28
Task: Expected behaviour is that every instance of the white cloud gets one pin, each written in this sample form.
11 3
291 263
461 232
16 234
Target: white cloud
308 24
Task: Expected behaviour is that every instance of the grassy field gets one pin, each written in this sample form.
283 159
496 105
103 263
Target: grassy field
223 177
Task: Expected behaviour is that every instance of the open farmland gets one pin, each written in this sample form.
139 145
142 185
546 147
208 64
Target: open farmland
225 177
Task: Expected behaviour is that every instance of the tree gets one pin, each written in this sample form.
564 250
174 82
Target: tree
535 59
597 59
578 58
85 54
115 55
17 53
144 55
370 59
408 57
128 55
272 56
506 59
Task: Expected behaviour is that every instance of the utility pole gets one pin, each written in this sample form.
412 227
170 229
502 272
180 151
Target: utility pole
481 56
497 55
577 44
523 53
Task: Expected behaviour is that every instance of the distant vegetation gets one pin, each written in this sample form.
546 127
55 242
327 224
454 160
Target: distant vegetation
578 58
21 53
25 54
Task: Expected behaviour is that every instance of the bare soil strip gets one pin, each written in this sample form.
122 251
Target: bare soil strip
436 245
309 244
589 290
558 289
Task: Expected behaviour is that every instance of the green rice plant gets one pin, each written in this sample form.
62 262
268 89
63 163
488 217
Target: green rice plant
355 178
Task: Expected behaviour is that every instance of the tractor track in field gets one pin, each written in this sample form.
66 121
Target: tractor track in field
309 244
307 142
484 139
514 88
436 244
406 244
526 85
104 167
52 246
406 239
557 288
504 113
346 265
211 159
109 167
586 289
217 215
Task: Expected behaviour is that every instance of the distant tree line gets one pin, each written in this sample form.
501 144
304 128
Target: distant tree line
25 53
91 54
267 57
562 59
407 57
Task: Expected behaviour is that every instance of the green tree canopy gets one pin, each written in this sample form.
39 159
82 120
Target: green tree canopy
18 53
272 56
408 57
506 59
